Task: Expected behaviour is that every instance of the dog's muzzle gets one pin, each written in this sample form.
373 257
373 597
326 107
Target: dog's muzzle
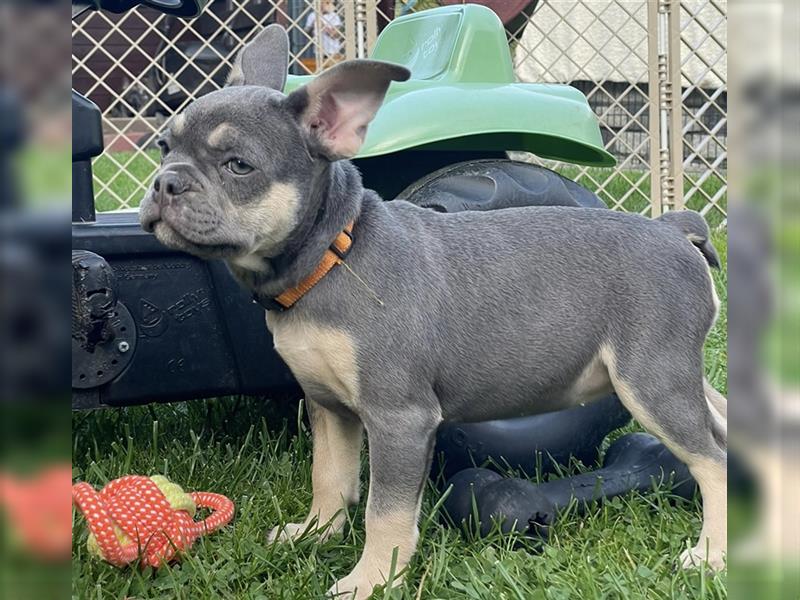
168 185
167 189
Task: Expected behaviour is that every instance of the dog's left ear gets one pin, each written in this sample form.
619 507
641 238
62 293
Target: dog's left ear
336 107
264 61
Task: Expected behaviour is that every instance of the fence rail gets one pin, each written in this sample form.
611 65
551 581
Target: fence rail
654 72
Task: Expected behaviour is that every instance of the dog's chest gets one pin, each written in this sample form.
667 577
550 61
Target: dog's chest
322 359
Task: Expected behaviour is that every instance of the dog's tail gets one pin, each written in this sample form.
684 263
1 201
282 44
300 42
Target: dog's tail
695 228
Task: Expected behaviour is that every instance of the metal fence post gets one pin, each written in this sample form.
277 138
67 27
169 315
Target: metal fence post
371 17
666 183
350 31
654 89
666 128
361 28
675 104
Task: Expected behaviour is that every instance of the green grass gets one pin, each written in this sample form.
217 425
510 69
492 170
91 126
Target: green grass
258 452
128 184
616 184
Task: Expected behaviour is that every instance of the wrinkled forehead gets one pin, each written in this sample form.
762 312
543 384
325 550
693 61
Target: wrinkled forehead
229 112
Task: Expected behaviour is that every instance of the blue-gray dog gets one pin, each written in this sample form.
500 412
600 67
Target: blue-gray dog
432 317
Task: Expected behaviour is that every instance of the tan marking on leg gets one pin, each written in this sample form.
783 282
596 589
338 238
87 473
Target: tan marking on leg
712 546
720 421
386 534
337 466
717 400
626 394
391 535
711 477
321 358
335 475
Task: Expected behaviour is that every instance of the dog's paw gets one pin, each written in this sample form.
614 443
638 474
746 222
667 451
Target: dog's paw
360 584
693 558
352 587
286 533
294 531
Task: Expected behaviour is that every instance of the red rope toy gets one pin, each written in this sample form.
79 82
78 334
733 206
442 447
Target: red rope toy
146 517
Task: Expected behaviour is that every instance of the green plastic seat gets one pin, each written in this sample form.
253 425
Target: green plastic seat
462 94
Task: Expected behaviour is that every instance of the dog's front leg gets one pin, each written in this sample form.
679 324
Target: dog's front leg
337 441
400 452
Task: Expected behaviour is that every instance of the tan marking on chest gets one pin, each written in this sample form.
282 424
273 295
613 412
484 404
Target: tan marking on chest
249 262
322 359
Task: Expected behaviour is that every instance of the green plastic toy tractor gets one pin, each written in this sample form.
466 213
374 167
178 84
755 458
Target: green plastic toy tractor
462 110
440 141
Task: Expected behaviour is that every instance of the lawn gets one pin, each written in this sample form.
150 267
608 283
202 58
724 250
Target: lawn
258 452
126 184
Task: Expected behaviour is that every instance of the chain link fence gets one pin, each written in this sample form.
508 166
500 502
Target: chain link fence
142 67
602 49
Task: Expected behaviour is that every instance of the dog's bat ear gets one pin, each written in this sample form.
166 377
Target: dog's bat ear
264 61
337 106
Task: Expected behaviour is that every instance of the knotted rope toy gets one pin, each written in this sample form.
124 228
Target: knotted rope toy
147 517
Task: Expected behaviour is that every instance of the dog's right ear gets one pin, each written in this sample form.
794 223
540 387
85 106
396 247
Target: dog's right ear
336 107
264 61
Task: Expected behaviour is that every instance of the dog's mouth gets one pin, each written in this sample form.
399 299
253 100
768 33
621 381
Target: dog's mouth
169 235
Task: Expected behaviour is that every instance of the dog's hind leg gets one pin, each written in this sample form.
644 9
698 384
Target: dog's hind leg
717 400
337 441
666 396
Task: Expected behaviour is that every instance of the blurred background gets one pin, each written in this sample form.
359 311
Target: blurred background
764 303
142 67
35 139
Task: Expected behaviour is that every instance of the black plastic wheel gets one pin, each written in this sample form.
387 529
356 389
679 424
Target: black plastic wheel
496 183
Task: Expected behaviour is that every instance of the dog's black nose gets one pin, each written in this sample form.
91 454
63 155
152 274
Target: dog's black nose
167 185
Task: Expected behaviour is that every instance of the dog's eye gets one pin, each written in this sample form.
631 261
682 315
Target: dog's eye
238 167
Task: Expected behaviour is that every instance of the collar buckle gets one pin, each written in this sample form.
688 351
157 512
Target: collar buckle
341 253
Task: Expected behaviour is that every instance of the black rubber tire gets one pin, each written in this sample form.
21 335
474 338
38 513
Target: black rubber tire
541 443
496 183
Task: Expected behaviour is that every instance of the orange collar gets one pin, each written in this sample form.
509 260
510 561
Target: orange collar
334 255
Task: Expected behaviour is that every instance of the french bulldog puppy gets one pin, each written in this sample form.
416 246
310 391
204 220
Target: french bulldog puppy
430 316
